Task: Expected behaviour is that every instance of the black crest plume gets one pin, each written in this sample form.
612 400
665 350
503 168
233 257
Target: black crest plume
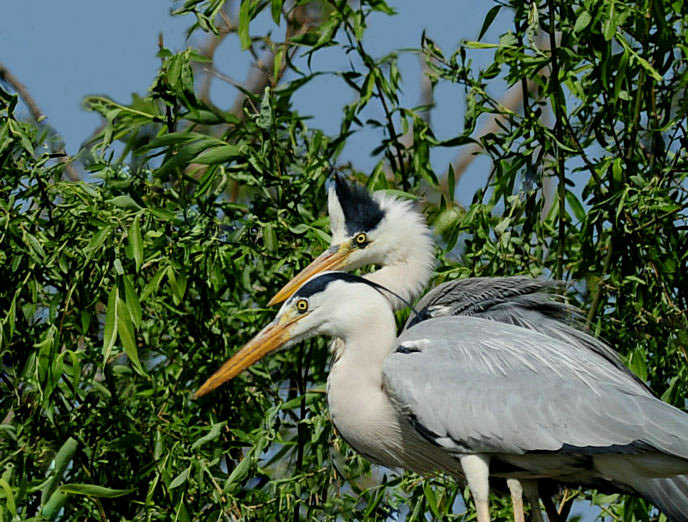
361 212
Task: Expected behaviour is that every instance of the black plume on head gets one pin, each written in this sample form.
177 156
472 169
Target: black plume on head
361 212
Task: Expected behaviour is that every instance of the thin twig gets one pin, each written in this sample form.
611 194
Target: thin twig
597 293
557 132
38 115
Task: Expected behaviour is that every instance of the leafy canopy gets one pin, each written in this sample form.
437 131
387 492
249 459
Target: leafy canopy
122 293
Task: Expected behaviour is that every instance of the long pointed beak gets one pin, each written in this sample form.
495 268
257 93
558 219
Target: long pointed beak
267 340
333 258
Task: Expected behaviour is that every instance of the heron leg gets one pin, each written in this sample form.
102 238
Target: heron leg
530 488
476 468
516 490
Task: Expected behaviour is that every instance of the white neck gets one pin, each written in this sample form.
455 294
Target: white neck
410 258
371 335
358 404
407 276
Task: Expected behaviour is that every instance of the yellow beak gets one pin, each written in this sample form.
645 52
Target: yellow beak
267 340
333 258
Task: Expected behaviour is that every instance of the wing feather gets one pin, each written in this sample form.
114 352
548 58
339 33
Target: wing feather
517 300
490 387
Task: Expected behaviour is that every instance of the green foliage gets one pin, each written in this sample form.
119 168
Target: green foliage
120 295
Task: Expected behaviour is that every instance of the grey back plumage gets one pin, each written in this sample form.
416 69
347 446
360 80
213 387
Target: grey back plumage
506 378
520 301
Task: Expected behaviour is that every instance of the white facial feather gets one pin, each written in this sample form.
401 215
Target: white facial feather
337 223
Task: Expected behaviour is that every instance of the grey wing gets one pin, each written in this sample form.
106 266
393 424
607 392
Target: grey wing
489 297
474 386
521 301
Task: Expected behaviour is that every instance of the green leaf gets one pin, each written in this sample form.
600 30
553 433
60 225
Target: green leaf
609 26
154 283
576 206
264 120
244 21
125 329
111 320
582 21
136 242
220 154
180 479
132 300
34 246
489 18
124 202
53 506
212 435
98 239
62 459
9 497
276 10
238 473
92 490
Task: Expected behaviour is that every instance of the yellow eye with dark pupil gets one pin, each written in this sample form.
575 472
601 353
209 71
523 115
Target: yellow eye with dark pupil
361 239
302 305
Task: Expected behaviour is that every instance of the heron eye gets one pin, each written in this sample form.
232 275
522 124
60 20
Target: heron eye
361 239
302 305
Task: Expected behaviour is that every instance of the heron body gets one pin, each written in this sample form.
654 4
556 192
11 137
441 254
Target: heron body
480 399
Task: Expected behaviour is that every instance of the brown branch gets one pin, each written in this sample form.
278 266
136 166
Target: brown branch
38 115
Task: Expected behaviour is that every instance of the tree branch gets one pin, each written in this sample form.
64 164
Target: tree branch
561 175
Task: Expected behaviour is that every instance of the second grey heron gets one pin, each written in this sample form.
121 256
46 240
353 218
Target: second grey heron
384 230
473 398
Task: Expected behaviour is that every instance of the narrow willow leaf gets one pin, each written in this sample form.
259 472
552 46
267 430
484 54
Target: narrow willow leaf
54 504
244 20
180 479
125 329
132 300
221 154
62 459
34 246
110 330
582 21
489 18
153 284
270 238
576 206
124 202
212 435
98 239
276 10
9 497
93 490
136 242
239 472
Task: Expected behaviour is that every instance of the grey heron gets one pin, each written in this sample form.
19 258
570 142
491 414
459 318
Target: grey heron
379 229
479 399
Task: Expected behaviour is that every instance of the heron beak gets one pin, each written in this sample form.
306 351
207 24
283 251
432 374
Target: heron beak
267 340
333 258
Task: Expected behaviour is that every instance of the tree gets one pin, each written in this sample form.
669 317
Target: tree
123 293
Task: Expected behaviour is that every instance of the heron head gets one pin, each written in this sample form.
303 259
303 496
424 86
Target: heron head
331 303
367 229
